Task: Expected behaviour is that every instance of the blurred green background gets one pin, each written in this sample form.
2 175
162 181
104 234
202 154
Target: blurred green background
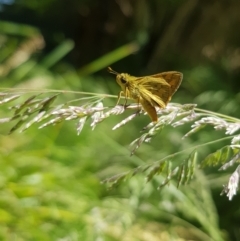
50 179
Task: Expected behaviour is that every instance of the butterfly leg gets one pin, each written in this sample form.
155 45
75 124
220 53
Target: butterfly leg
119 96
126 94
125 103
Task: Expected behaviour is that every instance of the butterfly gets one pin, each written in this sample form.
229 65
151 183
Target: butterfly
150 91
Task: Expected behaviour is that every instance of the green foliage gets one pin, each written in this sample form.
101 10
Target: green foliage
50 176
221 156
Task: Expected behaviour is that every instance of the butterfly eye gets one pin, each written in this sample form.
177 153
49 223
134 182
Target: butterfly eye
123 81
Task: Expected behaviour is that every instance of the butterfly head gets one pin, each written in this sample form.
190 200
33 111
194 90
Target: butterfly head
121 79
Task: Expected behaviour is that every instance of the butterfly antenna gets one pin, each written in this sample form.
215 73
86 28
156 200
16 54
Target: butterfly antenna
110 70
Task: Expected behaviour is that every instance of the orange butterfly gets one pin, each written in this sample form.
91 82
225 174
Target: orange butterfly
150 91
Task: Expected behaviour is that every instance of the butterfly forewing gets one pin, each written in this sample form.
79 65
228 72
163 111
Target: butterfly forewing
156 88
173 78
153 98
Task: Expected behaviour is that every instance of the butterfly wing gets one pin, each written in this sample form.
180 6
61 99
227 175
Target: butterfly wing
160 87
149 108
173 78
157 90
153 94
